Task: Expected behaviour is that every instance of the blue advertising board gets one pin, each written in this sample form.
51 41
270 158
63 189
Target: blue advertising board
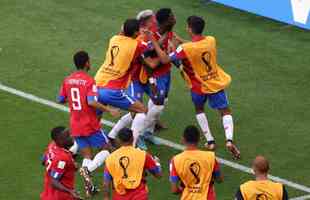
295 12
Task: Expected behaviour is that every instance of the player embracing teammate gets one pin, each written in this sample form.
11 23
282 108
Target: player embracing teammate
138 61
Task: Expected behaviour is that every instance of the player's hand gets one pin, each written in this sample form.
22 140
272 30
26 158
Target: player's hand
76 195
115 112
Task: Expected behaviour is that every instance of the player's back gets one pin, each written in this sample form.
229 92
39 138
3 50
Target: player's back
195 169
77 87
263 189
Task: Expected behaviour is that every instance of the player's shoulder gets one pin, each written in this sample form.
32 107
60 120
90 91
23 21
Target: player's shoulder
247 183
210 38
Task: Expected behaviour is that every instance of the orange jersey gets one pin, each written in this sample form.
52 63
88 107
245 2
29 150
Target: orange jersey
195 170
201 71
266 189
115 72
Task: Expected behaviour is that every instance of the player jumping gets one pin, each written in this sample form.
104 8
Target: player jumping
60 168
114 75
79 90
205 77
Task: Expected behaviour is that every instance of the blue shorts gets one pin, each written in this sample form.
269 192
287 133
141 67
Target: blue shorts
115 98
96 140
137 89
163 87
216 101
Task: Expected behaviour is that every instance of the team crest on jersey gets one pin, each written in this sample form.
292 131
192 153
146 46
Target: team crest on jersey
61 164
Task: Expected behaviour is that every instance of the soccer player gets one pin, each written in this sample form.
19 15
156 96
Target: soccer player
80 91
206 79
60 168
261 187
192 172
154 81
114 75
125 169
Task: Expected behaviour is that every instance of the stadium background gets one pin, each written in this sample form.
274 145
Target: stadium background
269 63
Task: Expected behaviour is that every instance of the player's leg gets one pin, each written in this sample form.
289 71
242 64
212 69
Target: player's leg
219 101
134 90
199 101
90 164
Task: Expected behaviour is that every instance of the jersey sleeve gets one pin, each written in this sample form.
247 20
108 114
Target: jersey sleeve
173 177
238 195
106 175
62 97
92 92
151 165
177 55
216 170
57 168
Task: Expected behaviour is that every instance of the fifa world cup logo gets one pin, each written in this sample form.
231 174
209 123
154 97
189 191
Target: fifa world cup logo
114 52
205 56
124 162
195 170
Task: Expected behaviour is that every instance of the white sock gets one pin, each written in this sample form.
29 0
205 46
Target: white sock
204 125
98 160
150 104
74 148
166 101
153 115
137 126
228 125
122 123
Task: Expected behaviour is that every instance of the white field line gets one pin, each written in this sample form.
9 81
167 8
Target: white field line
301 197
161 140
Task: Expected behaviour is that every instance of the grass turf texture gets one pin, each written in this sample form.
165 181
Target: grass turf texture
269 94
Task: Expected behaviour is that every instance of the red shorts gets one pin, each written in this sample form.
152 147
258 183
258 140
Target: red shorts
140 193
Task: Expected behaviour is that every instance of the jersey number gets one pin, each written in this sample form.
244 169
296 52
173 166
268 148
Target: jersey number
113 53
76 99
205 56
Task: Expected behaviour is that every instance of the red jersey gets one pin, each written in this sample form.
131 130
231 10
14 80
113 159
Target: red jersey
60 165
79 89
165 45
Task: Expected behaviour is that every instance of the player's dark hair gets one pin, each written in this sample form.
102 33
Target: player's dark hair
57 131
197 24
80 59
125 135
163 14
130 27
191 134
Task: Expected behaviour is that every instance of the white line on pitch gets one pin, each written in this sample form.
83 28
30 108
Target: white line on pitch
301 197
161 140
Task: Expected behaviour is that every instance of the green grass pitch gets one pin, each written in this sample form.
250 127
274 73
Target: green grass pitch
269 63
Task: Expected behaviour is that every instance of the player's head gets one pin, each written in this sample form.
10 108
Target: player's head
81 60
165 19
61 137
145 18
131 28
195 25
191 135
125 136
260 166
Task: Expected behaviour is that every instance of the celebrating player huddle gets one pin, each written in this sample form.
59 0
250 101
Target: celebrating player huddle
138 61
